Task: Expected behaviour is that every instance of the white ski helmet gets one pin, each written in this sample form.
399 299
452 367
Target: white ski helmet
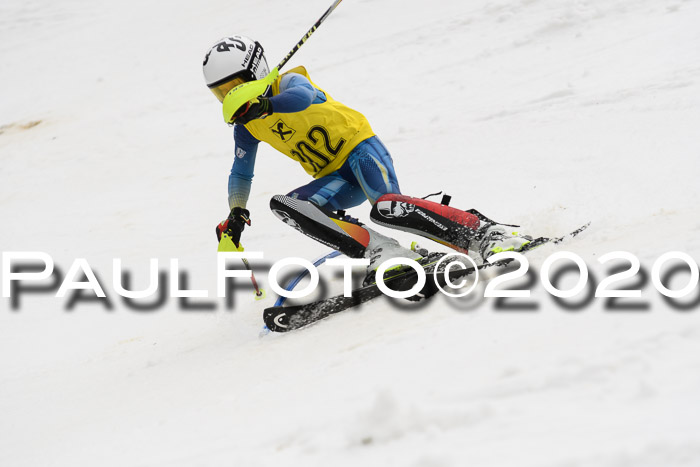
232 61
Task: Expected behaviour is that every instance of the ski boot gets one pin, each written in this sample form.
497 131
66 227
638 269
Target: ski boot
382 248
497 238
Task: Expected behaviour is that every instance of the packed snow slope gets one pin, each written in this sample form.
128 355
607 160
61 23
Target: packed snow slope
541 113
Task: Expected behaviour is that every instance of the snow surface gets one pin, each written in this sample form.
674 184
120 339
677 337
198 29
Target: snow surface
536 112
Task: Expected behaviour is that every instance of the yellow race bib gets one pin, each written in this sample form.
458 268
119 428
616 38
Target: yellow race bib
319 137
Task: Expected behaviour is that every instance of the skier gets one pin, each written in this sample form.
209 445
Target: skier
337 147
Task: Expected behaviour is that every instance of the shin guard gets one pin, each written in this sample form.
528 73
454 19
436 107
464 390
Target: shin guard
322 225
438 222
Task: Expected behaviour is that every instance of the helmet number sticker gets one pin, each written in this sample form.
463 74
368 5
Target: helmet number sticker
225 47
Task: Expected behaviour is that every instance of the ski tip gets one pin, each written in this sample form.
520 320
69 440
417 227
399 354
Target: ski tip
276 319
580 229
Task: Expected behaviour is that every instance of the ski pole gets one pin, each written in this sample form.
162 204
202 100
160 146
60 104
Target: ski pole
259 293
227 245
241 94
308 34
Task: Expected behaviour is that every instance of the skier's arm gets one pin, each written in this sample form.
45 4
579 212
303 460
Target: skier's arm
296 94
241 178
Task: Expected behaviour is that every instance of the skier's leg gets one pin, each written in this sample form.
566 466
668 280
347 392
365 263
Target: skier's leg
342 233
370 166
461 230
321 224
439 222
308 209
373 169
332 192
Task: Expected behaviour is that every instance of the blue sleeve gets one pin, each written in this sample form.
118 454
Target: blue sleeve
296 94
241 178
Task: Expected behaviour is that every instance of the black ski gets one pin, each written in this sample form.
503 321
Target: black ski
286 318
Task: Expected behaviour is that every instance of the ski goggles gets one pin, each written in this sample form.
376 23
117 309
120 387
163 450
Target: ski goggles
221 90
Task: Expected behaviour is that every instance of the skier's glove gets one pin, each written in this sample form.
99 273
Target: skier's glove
260 107
233 226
